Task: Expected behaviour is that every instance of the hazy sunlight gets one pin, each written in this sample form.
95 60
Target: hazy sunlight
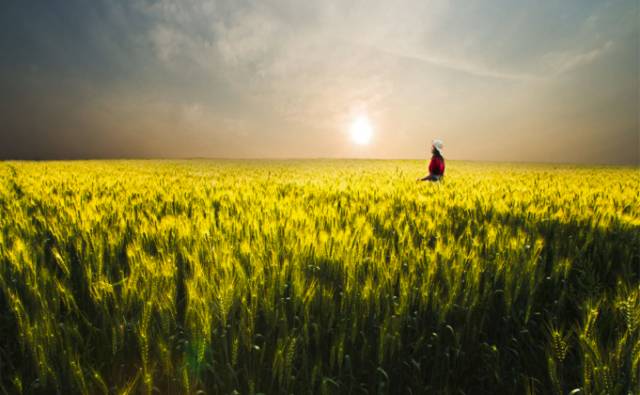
361 130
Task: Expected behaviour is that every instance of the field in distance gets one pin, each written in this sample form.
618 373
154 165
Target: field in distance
318 276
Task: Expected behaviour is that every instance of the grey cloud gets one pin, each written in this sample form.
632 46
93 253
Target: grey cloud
284 77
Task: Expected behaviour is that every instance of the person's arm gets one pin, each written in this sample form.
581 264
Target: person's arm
440 166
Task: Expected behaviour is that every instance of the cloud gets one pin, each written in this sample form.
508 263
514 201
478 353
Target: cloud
567 61
248 37
465 66
198 73
256 42
168 43
312 66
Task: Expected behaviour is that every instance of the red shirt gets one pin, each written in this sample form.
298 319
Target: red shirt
436 166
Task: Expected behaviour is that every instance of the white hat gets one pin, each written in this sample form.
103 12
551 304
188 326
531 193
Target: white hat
438 144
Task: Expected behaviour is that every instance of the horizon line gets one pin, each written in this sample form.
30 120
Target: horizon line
293 158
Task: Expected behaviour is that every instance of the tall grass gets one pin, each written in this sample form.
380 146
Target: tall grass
318 277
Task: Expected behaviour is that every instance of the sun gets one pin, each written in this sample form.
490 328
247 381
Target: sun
361 130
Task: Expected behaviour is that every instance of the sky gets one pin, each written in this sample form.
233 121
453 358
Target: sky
503 80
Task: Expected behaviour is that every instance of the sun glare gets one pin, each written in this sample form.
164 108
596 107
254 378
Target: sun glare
361 130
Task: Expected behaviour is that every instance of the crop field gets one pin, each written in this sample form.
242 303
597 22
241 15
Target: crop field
323 277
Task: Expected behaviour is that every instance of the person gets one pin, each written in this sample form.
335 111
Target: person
436 166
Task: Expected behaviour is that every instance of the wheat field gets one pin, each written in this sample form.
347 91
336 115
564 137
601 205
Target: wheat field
319 276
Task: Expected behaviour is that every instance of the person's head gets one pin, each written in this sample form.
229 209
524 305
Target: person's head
436 147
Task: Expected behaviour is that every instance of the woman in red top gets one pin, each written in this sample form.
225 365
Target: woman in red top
436 166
